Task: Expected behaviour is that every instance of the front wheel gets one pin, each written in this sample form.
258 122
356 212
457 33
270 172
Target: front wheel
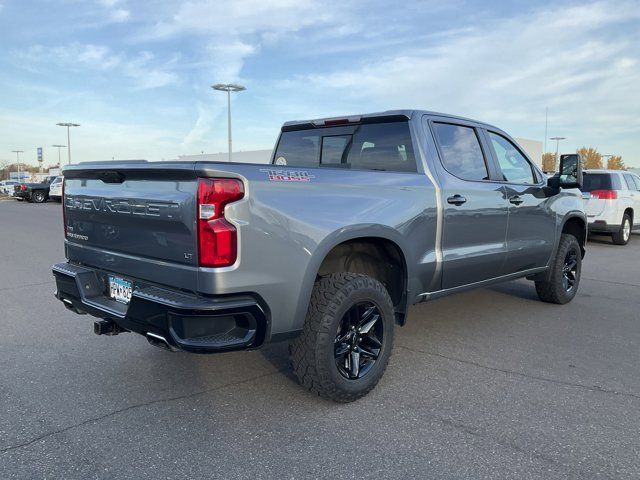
347 338
563 280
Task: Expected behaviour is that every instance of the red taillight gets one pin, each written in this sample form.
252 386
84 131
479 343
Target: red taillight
64 212
23 187
217 238
604 194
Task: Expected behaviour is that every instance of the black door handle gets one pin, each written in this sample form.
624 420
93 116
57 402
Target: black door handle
456 200
516 200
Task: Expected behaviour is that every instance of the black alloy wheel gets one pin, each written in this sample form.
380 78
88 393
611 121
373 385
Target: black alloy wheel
570 270
358 341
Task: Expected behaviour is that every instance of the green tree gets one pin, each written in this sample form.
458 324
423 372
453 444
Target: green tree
548 162
591 158
615 162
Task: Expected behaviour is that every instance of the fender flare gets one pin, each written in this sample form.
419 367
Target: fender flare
334 239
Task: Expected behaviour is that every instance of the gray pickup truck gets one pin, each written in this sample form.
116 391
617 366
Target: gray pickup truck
354 220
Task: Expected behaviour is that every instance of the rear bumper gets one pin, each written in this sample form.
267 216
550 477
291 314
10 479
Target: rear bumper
21 194
193 323
601 226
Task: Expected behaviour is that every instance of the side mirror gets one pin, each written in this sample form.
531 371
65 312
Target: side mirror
570 172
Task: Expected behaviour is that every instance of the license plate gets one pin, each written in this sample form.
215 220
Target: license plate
120 289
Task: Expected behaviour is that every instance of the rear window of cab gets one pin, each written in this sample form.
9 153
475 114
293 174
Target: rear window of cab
371 146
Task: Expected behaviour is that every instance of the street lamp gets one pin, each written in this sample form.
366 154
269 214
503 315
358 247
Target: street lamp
68 125
18 152
228 87
59 147
557 139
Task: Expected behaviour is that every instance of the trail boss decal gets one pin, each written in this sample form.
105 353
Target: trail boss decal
279 175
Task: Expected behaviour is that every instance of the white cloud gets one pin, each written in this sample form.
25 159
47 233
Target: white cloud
120 15
230 17
142 68
506 72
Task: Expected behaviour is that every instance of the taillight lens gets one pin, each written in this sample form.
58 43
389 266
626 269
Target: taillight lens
23 187
217 238
604 194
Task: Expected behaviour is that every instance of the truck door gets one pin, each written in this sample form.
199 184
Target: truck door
531 232
475 208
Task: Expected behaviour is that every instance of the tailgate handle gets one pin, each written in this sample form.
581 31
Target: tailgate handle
111 177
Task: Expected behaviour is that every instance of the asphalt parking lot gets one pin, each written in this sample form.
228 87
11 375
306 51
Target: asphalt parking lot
487 384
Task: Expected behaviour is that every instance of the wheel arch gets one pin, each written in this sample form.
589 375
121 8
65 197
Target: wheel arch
356 250
576 224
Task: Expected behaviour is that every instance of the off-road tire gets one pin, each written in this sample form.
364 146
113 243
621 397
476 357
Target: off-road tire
312 352
619 236
552 290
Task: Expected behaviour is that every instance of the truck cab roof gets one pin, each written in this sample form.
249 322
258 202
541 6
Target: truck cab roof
373 117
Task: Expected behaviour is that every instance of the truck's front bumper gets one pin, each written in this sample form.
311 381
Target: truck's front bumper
182 321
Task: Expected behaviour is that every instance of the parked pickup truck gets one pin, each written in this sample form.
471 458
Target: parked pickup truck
33 192
354 220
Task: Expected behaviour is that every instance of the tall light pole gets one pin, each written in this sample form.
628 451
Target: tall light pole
228 87
18 152
557 139
59 147
68 125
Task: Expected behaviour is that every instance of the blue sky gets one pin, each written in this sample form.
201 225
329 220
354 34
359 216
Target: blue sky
136 75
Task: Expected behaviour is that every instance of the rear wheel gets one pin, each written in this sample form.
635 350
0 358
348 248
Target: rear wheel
347 337
38 196
564 278
622 236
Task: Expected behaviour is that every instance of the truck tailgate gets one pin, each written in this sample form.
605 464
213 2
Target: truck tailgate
132 216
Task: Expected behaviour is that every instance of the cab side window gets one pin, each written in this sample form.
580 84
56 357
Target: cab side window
515 167
461 152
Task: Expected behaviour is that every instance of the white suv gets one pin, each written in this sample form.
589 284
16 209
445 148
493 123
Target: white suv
612 202
55 189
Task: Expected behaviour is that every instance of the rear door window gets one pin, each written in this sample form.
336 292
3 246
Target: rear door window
461 152
629 181
372 146
637 182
